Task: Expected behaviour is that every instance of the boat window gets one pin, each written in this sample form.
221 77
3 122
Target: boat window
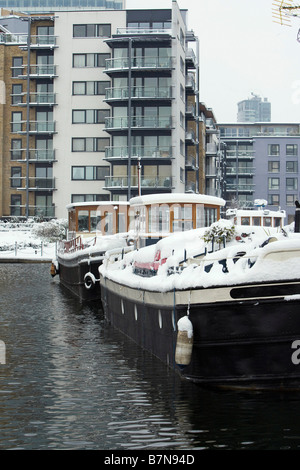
267 221
256 221
199 215
108 227
95 219
210 216
183 218
83 221
245 220
277 222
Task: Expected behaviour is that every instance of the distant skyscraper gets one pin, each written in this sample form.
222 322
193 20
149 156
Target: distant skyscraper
254 110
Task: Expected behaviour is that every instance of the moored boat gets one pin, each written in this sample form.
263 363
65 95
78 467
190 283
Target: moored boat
93 228
220 315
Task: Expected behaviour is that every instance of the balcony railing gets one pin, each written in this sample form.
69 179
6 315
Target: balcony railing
241 154
150 122
35 127
34 155
138 152
240 187
39 71
121 182
121 63
240 171
130 31
9 38
35 99
35 183
140 92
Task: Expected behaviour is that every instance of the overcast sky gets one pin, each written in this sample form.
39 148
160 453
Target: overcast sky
242 51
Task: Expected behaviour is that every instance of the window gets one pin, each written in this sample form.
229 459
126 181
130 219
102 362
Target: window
16 174
292 150
91 30
17 96
89 116
290 199
90 60
291 184
292 167
274 183
89 144
16 125
17 66
15 204
16 152
273 167
90 172
274 150
273 199
90 88
89 197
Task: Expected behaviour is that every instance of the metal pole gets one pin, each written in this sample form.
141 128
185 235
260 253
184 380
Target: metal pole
27 116
129 118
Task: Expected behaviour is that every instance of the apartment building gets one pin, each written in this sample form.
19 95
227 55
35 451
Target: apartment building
262 162
105 106
34 6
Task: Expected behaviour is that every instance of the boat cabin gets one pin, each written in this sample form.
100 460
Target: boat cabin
257 218
88 219
159 215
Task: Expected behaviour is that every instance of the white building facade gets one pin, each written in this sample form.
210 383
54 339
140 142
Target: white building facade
126 89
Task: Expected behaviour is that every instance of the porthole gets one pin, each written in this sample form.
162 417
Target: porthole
122 307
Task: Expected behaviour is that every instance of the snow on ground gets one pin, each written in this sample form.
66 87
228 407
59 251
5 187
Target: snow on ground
29 240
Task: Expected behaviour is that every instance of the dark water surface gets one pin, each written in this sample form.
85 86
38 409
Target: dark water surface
72 382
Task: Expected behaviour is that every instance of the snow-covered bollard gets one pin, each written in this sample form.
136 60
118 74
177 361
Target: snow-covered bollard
184 344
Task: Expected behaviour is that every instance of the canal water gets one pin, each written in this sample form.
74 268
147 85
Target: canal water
69 381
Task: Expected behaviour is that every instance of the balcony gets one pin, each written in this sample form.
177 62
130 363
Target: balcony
142 31
190 84
190 58
35 99
138 122
35 127
190 137
37 71
137 63
35 155
211 149
249 171
190 163
241 188
35 183
154 182
139 92
190 111
41 42
241 154
143 152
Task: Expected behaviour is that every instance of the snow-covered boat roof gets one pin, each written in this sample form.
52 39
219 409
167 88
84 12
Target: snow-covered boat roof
97 203
176 198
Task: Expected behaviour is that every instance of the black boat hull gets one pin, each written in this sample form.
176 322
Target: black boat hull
72 276
248 343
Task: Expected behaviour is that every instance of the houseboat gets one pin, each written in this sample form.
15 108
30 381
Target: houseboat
93 228
97 227
220 306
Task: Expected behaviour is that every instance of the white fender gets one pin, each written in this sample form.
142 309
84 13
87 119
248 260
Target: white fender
89 281
184 344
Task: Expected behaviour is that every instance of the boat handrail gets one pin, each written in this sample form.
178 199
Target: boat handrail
116 254
76 244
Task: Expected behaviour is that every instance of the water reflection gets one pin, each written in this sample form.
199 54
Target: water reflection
72 382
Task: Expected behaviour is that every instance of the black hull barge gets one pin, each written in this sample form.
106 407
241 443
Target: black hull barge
241 331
